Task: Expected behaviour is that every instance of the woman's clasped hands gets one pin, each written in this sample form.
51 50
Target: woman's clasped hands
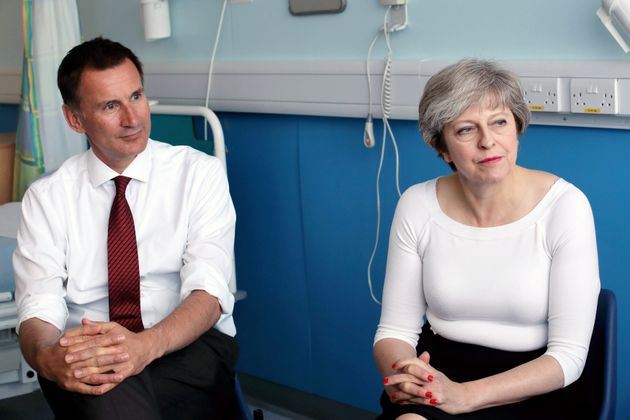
417 382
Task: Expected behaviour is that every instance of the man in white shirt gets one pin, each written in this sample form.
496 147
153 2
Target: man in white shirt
180 361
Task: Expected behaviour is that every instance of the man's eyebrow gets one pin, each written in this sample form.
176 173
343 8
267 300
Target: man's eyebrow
139 90
105 102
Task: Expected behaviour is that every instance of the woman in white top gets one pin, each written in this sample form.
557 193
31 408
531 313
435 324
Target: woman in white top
492 277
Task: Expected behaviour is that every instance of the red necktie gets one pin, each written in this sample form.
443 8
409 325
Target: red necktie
122 262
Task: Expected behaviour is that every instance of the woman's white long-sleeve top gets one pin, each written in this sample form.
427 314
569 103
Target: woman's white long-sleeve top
516 287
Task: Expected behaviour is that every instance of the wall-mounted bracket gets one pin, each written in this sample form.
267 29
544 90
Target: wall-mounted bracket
397 14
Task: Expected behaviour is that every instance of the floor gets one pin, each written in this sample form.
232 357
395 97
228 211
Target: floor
272 412
33 406
277 402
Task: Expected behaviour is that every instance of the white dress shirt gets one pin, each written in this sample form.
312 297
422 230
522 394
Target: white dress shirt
518 287
184 221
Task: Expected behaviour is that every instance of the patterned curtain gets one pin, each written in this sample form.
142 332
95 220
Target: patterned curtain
44 141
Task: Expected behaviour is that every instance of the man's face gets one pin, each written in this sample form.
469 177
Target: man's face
113 113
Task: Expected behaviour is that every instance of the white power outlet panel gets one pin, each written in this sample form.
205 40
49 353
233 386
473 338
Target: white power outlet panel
594 96
545 94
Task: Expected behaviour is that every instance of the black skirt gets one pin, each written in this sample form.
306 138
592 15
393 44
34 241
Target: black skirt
462 362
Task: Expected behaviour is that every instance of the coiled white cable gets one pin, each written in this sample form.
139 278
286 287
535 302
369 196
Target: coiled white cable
386 96
211 70
386 87
378 222
386 105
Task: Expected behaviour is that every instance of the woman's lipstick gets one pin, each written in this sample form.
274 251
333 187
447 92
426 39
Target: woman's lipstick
491 159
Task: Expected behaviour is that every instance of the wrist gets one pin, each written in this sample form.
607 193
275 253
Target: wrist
155 344
471 400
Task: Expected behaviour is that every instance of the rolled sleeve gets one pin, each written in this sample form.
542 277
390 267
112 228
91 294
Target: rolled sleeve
39 263
47 307
209 249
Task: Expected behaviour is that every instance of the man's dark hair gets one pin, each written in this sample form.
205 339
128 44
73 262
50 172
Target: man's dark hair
98 54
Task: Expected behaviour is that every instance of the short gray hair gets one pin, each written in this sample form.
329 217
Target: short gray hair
455 88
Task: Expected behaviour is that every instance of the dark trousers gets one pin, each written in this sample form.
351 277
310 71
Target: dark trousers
466 362
196 382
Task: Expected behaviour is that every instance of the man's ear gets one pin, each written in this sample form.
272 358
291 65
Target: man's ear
72 118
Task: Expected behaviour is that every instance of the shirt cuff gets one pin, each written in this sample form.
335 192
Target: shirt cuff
210 281
48 308
571 365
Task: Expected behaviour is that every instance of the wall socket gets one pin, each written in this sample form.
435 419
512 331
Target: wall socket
594 96
545 94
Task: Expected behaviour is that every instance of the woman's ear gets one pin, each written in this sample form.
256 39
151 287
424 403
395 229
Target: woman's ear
73 119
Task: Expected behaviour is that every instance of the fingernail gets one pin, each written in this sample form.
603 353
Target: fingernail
385 381
394 396
430 378
428 394
69 358
394 366
433 401
63 341
78 373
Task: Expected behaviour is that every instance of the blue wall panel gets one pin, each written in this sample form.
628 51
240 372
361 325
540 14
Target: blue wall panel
274 321
339 210
337 248
8 117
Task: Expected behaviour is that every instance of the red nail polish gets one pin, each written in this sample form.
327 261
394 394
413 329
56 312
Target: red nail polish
430 378
394 366
433 401
428 394
385 380
394 396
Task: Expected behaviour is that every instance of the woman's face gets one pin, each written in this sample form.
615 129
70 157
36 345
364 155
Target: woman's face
482 143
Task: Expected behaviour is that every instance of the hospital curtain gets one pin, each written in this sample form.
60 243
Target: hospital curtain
44 141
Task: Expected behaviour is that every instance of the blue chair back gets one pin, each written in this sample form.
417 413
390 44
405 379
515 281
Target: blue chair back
598 382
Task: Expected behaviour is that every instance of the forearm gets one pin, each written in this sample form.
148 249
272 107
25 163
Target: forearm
539 376
38 338
194 316
390 350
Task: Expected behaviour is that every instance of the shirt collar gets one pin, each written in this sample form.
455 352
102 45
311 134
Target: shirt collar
139 168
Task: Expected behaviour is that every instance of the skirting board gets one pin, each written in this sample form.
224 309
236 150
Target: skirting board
338 88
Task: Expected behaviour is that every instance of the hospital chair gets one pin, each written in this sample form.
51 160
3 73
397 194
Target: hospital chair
598 382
